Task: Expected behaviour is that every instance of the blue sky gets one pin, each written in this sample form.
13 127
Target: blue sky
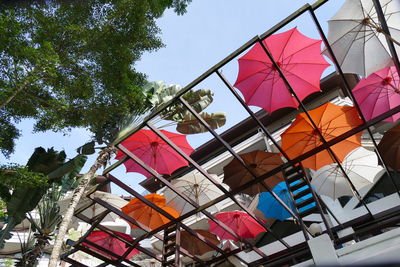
207 33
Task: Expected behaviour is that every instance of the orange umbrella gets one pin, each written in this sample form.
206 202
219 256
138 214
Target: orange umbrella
144 214
332 121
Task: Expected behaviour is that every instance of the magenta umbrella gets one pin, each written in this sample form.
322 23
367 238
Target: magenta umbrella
378 93
300 60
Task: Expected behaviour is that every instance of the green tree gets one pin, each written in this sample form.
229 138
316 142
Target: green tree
69 64
21 195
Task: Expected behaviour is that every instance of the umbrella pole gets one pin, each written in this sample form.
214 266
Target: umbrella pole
347 86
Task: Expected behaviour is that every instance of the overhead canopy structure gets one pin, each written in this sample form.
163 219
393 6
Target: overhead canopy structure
258 130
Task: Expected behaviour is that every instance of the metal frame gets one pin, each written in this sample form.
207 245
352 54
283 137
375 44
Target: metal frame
326 145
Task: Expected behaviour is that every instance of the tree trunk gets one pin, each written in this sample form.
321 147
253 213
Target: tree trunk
103 157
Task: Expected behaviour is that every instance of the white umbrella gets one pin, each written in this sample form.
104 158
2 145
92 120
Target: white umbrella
356 37
195 186
361 166
95 209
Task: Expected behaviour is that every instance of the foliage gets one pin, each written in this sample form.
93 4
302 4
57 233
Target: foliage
69 64
178 113
24 198
49 218
14 176
3 212
190 125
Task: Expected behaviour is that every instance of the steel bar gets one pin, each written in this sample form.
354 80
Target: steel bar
205 173
317 130
281 168
238 158
225 256
193 203
251 113
266 132
159 210
112 254
124 216
294 161
97 255
72 261
163 212
281 259
385 28
350 93
188 87
218 66
105 229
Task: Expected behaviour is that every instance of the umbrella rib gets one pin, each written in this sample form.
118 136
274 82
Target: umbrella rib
300 78
284 47
301 49
258 86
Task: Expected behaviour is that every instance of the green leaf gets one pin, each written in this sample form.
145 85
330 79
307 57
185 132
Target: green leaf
5 233
161 93
198 100
46 161
87 149
70 167
23 200
4 193
190 125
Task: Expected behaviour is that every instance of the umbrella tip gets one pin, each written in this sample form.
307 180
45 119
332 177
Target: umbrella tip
366 21
387 80
253 165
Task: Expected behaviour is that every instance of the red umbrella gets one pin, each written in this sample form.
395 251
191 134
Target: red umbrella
110 243
156 153
240 222
300 60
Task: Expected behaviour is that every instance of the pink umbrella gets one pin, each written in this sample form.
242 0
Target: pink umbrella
240 222
110 243
156 153
378 93
300 60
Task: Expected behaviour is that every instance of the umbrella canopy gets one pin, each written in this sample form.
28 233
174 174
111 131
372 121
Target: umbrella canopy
240 222
378 93
271 208
139 211
195 186
332 121
389 147
95 209
260 162
300 60
194 245
356 36
361 166
156 153
110 243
